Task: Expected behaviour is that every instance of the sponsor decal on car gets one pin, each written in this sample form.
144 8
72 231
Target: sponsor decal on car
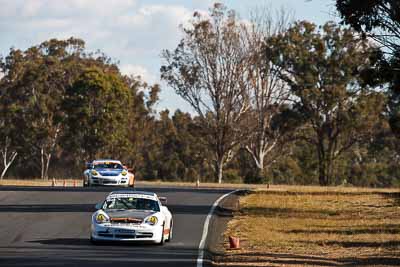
131 196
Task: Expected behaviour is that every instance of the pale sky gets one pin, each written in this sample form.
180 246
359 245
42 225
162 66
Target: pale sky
133 32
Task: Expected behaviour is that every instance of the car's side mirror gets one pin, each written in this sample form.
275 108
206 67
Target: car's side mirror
89 165
99 206
163 200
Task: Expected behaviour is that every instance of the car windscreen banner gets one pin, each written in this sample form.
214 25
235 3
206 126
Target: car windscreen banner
131 196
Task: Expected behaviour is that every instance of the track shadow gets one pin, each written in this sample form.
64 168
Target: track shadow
156 189
43 208
79 252
394 196
267 259
57 189
278 259
189 209
285 213
86 242
355 244
48 208
64 241
372 229
372 261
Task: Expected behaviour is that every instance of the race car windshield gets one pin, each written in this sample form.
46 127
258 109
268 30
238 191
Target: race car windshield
108 166
131 204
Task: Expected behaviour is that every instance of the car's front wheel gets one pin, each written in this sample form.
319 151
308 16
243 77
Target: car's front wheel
93 241
86 181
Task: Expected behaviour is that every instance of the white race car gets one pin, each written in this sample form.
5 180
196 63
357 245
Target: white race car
132 216
107 172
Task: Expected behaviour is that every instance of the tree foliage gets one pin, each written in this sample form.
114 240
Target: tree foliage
55 96
380 20
268 114
272 104
98 105
206 71
33 85
323 68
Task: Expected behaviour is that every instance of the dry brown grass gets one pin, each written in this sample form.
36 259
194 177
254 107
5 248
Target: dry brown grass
269 188
78 182
317 226
40 182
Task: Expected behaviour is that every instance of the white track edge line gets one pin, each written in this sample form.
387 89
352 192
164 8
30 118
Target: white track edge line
200 259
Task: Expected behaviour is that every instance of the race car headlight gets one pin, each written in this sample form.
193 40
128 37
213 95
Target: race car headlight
152 220
124 173
101 218
94 173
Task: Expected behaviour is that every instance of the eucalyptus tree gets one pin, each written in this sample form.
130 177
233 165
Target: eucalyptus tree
99 109
379 20
269 94
32 88
324 67
206 69
9 146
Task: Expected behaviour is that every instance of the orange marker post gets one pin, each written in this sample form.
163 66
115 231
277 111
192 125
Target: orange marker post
234 242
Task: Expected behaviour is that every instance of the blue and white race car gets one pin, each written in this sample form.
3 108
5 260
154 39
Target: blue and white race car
132 216
107 172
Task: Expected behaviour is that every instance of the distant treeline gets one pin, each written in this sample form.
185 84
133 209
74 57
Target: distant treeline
275 101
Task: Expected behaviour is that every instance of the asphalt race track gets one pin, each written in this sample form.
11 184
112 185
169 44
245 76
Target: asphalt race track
42 226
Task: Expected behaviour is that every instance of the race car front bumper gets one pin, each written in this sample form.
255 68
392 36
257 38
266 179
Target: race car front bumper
107 180
126 232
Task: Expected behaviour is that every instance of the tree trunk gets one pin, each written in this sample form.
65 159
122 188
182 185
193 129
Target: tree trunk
3 173
42 163
220 171
321 164
7 164
260 164
46 170
329 170
259 154
322 173
219 166
46 155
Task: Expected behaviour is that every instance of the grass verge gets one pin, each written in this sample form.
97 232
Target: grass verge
271 188
316 226
41 182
